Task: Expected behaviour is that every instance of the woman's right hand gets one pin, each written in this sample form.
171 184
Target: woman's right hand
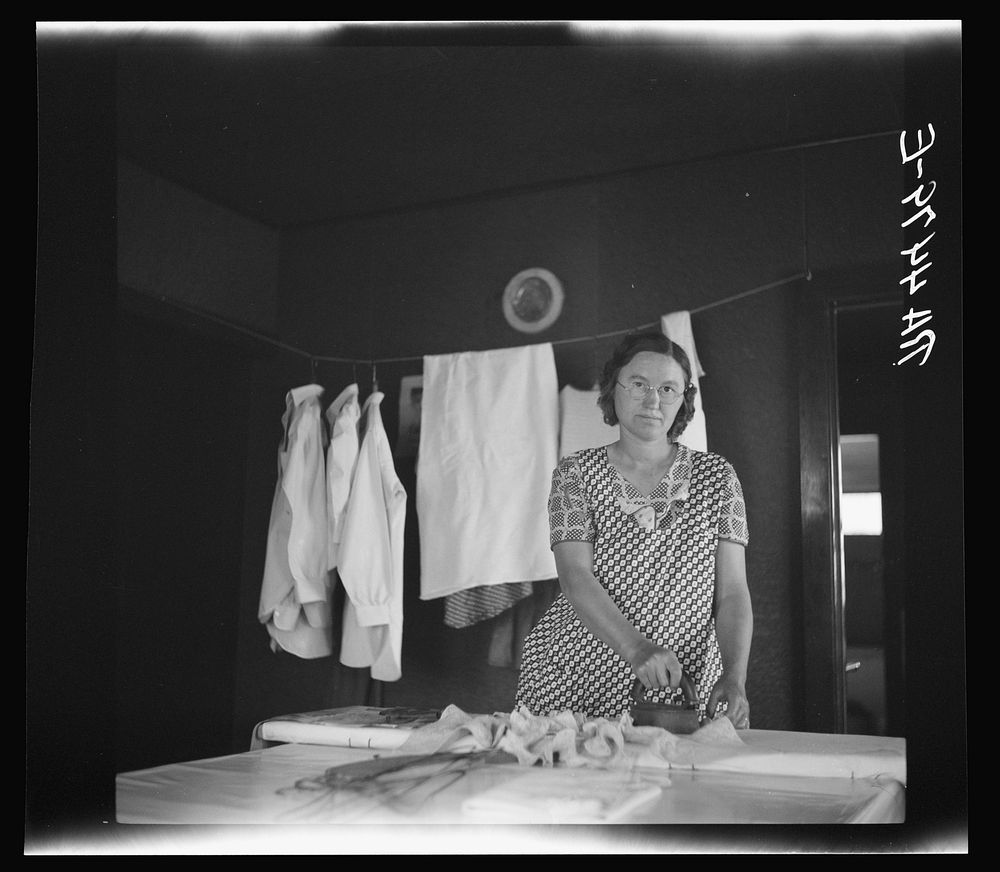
655 666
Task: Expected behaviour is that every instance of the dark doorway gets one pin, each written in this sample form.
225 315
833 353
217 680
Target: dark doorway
870 419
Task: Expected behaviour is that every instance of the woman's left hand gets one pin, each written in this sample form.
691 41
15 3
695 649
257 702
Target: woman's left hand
730 690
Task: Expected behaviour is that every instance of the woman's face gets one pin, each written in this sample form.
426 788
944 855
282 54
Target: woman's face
649 419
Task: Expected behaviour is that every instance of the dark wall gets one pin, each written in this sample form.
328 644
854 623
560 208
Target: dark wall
70 590
628 249
180 465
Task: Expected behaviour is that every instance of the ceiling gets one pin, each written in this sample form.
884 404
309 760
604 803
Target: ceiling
298 131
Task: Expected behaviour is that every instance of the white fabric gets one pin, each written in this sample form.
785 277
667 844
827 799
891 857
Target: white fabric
370 560
714 747
563 796
581 422
295 593
677 328
489 436
343 417
258 787
820 755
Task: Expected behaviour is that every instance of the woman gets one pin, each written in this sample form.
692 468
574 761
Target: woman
649 538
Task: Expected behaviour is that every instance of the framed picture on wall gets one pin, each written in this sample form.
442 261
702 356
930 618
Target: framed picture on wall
411 389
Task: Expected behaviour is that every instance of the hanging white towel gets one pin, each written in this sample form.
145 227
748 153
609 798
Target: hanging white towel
343 417
677 328
295 593
581 421
370 558
489 439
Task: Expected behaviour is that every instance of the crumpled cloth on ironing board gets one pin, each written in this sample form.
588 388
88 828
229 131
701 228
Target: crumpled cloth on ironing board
565 738
574 740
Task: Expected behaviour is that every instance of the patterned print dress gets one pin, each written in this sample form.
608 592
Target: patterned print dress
655 555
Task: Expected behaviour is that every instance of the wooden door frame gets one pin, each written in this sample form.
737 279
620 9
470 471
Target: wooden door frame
824 680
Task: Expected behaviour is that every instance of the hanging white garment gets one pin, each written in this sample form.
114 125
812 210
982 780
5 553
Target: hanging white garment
677 328
343 417
370 558
581 421
295 593
489 439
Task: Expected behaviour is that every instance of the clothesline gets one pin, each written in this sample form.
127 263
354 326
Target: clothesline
372 362
368 361
712 305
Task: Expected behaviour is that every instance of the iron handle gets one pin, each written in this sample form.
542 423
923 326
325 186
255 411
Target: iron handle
686 684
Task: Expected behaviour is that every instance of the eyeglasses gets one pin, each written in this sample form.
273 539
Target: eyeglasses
638 390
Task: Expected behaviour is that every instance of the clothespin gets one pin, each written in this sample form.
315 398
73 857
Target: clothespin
374 379
312 369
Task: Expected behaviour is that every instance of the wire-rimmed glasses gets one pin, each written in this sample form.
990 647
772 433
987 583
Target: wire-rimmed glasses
639 390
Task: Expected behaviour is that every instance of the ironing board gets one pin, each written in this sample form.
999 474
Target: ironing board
275 795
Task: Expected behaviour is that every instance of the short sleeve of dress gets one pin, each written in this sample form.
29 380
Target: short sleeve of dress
733 509
570 517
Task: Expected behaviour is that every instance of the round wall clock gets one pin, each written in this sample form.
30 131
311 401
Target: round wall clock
532 300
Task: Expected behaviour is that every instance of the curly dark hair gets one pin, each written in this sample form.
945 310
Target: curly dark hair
629 347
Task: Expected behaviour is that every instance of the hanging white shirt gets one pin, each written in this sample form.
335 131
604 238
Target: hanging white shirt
489 438
343 417
370 558
295 593
677 328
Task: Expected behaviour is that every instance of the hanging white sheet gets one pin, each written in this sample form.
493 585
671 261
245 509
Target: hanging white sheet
581 422
677 328
489 438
